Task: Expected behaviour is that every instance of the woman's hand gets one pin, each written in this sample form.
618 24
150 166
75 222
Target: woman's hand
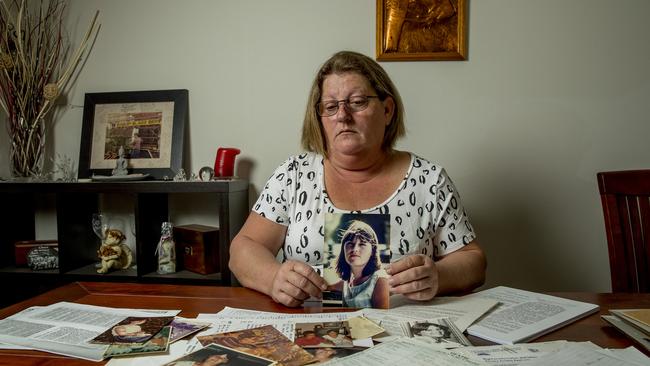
294 282
414 276
418 277
253 260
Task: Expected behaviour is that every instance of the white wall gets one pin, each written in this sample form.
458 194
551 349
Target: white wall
553 92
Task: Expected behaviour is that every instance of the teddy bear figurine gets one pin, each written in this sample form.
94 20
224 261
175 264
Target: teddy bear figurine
113 253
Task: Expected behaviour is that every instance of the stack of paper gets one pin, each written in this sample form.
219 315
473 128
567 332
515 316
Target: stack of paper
635 323
68 328
522 316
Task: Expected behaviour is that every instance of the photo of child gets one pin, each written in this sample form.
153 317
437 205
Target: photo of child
356 249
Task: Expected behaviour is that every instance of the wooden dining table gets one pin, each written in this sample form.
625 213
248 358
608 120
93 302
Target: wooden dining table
192 300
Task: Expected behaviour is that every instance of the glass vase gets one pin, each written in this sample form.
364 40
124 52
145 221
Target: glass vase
27 147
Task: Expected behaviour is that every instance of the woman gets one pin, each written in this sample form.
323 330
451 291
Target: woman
353 119
323 355
437 332
357 265
338 339
309 338
131 332
211 360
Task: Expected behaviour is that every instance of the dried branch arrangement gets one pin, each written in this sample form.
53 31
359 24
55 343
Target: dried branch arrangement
35 68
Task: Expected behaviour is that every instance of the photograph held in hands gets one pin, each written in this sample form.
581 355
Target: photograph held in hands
356 251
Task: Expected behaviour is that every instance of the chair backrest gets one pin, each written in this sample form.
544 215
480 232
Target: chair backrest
625 196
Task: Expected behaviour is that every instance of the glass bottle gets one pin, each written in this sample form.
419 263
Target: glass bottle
166 250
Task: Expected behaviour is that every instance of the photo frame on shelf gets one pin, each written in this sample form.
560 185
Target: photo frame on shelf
148 125
421 30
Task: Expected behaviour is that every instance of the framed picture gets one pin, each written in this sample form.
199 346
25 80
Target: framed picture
413 30
148 126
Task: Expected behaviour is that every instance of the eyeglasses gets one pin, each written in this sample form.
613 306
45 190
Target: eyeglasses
329 108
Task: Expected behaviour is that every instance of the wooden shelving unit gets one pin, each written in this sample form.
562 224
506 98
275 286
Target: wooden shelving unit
75 205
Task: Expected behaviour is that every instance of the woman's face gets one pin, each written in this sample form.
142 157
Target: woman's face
357 252
432 331
214 360
350 133
324 354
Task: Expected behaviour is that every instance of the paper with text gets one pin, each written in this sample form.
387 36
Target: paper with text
506 355
582 354
405 351
463 311
523 315
65 328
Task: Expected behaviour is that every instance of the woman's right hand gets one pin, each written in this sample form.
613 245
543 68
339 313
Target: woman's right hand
294 282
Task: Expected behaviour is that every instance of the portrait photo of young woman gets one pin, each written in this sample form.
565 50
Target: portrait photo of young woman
355 251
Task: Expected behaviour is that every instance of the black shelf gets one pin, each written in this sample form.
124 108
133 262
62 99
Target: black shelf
28 271
89 272
183 275
145 186
77 243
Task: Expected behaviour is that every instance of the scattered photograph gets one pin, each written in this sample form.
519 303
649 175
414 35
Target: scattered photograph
357 249
181 328
328 353
133 330
362 327
441 331
214 354
157 344
323 334
266 342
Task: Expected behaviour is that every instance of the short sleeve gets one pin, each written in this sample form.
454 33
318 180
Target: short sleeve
453 228
273 201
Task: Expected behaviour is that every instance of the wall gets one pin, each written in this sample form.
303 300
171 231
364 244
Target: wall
553 92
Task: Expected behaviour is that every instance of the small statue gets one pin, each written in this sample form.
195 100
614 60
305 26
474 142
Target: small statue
113 253
166 250
180 176
120 164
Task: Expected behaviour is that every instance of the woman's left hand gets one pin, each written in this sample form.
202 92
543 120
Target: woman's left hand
414 276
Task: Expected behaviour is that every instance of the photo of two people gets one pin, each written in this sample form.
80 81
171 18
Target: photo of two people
356 250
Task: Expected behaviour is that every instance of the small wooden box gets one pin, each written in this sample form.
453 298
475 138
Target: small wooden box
198 246
22 248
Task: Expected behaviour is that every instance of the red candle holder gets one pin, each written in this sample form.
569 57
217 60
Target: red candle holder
224 164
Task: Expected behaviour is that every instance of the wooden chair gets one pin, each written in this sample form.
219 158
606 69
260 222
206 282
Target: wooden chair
625 196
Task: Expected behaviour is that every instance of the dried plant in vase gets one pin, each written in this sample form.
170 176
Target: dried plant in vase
36 66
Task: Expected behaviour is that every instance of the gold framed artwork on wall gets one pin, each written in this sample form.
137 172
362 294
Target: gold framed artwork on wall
418 30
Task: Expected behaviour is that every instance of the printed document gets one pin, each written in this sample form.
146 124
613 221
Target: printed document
585 354
463 311
65 328
405 351
506 355
523 315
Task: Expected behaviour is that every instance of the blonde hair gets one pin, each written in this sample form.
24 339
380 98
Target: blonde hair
313 136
